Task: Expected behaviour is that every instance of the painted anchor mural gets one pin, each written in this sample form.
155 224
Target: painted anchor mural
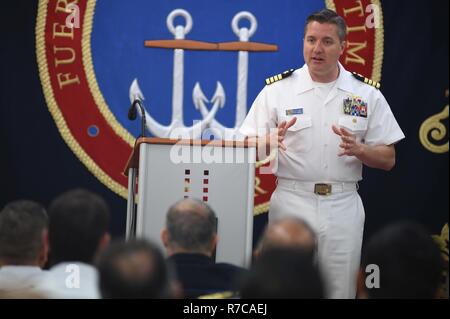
179 44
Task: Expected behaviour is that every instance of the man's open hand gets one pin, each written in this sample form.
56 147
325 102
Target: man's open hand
349 145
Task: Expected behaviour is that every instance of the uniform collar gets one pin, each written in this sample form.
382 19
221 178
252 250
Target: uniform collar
306 83
343 82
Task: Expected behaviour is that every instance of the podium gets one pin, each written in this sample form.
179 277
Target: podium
219 173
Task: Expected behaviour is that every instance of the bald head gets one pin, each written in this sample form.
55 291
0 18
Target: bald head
133 269
189 206
191 227
290 232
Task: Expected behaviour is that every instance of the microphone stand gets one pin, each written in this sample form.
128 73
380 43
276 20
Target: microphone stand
131 211
132 114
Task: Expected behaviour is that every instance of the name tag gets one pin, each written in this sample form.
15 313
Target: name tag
294 111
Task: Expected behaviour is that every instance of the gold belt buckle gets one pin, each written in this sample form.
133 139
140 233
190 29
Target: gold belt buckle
322 189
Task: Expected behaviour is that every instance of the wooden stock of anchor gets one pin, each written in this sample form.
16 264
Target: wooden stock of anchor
211 46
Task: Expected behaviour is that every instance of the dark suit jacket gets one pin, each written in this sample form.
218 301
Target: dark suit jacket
199 275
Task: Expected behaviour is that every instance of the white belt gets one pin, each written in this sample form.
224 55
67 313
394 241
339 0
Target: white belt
318 188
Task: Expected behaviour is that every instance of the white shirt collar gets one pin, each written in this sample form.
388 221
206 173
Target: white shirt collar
306 83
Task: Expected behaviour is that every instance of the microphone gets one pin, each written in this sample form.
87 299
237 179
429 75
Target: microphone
132 114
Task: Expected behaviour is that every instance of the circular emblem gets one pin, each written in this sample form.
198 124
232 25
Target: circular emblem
94 55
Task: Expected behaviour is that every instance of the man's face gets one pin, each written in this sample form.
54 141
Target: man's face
322 48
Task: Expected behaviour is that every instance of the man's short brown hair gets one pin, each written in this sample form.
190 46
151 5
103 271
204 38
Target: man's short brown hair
331 17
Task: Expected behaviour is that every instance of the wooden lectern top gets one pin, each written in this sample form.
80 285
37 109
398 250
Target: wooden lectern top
133 161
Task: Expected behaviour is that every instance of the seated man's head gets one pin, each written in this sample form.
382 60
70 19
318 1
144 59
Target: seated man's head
190 228
287 232
78 227
283 272
402 261
23 234
133 269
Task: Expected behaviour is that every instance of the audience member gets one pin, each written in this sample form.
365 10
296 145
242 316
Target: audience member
23 249
283 273
190 238
78 231
406 261
134 269
288 232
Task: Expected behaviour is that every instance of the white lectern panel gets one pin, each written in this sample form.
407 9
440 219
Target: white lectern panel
227 187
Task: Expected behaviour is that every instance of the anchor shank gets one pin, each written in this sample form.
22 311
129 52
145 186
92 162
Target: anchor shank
178 78
177 94
241 97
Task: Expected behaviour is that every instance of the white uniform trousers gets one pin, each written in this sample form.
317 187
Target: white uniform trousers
338 220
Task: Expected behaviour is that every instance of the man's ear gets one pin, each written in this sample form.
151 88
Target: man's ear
361 291
165 237
343 45
214 241
256 253
43 255
104 241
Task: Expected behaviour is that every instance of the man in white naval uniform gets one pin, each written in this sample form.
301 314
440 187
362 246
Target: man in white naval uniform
329 124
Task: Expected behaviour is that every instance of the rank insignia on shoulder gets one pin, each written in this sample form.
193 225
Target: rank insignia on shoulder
362 78
279 77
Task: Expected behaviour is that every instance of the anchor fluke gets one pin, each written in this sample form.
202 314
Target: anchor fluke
219 95
198 97
135 91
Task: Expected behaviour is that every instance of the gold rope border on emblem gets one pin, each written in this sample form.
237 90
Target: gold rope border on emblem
261 209
55 111
330 5
379 46
92 79
379 41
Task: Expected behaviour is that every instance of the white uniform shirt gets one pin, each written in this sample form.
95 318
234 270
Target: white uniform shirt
312 146
74 280
19 281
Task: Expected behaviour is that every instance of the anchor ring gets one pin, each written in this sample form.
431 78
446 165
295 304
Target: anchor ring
244 15
179 13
